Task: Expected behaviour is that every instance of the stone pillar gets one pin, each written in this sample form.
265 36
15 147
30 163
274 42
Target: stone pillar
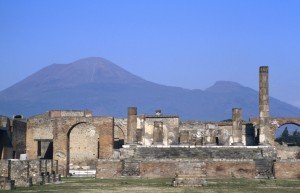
264 118
237 127
132 125
158 133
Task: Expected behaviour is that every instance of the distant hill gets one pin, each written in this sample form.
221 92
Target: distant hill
105 88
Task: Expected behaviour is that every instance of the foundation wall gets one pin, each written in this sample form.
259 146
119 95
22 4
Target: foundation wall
197 152
27 172
287 169
169 168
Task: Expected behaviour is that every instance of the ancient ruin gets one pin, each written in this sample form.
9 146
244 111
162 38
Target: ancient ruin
60 142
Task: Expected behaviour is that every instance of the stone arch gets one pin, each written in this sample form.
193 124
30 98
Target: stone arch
275 123
119 133
82 146
63 126
119 137
279 122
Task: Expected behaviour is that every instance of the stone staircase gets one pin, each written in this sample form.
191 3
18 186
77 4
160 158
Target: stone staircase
131 168
192 177
264 168
189 180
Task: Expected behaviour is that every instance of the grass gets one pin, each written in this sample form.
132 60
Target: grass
131 185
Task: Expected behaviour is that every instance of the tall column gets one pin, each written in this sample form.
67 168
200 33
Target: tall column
131 125
264 117
237 127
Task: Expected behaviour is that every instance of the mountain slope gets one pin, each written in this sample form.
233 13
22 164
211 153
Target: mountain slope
106 89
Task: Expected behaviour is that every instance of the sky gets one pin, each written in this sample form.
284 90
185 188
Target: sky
190 44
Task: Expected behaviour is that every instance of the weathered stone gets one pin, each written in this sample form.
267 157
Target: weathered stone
6 183
237 127
264 117
58 126
132 125
19 172
287 169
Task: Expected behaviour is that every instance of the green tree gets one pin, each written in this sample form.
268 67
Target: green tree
285 135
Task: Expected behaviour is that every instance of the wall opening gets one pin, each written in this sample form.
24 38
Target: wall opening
288 134
39 149
45 148
217 141
119 137
83 149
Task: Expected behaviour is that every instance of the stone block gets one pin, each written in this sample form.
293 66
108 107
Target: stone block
19 172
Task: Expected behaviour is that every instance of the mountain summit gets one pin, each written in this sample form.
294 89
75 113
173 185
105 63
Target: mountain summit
84 71
99 85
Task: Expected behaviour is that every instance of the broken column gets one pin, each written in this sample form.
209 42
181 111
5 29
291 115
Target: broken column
132 125
264 118
237 127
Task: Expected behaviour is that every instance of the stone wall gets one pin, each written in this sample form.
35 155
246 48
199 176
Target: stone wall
168 168
197 152
206 133
19 171
70 113
58 127
19 137
287 169
170 129
231 169
109 169
83 146
27 172
6 149
38 128
4 170
286 152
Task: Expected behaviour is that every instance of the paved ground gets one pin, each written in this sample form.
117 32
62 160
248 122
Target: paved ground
90 185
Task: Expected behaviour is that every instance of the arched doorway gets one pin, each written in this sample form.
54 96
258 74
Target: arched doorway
119 137
288 134
83 149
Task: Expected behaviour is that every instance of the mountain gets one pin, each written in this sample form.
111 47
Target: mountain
103 87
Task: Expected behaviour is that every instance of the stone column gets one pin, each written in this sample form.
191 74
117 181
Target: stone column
132 125
264 118
158 133
237 127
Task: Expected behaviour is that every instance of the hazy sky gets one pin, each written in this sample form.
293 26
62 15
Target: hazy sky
183 43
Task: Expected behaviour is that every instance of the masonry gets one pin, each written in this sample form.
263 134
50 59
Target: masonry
211 162
25 173
146 145
74 138
169 147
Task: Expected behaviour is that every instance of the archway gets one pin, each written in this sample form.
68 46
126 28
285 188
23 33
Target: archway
288 134
119 137
83 149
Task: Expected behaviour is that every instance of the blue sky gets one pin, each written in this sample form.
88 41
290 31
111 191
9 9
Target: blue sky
189 44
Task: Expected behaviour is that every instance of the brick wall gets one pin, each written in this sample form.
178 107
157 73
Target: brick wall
109 169
106 139
230 169
169 168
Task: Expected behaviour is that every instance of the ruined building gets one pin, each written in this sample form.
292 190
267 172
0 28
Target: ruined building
153 146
